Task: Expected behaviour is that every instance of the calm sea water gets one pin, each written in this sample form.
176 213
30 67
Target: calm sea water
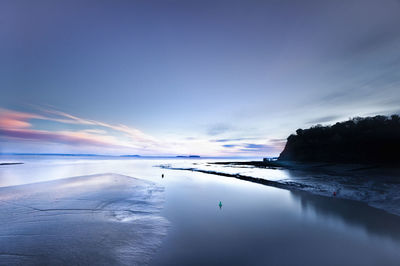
256 225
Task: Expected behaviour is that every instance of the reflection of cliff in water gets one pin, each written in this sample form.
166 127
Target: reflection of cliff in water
375 186
353 213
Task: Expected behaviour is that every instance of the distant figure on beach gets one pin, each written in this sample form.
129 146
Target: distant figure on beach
220 205
162 175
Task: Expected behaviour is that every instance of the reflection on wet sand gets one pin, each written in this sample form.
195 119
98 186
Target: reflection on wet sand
353 213
106 219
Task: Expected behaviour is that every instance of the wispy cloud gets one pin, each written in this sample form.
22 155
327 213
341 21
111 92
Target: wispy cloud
259 148
15 120
324 119
233 139
229 145
218 129
133 133
75 138
18 125
264 148
24 127
255 146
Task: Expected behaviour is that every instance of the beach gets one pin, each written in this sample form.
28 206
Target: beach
135 217
105 219
376 185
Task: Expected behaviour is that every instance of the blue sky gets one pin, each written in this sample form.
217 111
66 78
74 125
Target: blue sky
193 77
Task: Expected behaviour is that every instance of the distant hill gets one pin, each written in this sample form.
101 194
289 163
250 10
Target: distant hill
359 140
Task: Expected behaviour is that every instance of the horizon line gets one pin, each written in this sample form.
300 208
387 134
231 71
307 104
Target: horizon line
128 155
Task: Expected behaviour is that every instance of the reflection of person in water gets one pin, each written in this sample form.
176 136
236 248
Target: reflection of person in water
220 205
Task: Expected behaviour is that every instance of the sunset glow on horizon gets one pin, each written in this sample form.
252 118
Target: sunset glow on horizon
26 133
225 78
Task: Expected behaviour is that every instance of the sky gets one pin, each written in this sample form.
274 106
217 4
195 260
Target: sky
211 78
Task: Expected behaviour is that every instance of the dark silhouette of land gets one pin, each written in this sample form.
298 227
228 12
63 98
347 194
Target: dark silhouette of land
357 159
10 163
366 143
359 140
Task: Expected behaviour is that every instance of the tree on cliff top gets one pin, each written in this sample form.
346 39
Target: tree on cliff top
358 140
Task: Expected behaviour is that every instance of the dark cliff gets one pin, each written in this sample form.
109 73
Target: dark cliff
359 140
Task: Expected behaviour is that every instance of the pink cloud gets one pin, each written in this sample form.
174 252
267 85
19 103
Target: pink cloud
55 137
11 123
17 126
115 138
133 133
15 120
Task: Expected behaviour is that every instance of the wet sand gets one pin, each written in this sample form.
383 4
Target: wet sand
103 219
376 185
114 219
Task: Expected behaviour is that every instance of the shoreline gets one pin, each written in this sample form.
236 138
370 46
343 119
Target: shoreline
241 177
325 166
120 212
375 185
